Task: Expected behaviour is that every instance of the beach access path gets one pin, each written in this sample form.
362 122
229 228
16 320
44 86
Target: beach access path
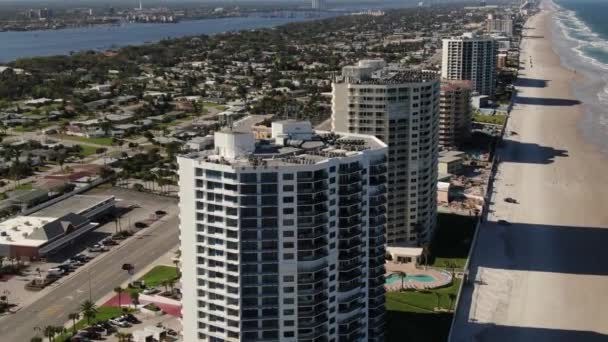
544 276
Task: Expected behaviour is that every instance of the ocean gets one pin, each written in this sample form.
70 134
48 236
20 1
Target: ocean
580 38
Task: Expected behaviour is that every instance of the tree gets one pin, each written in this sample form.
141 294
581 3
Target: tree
452 297
119 290
165 284
135 297
49 331
106 126
176 262
74 316
106 172
438 295
88 310
36 339
402 275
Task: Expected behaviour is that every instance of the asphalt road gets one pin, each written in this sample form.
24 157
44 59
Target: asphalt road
105 274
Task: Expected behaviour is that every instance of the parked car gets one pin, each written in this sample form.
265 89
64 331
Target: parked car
130 318
98 249
511 200
83 257
55 272
109 242
150 291
140 225
120 323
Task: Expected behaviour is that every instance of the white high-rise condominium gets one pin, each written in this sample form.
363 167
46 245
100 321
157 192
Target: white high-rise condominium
401 108
471 58
318 4
283 239
499 25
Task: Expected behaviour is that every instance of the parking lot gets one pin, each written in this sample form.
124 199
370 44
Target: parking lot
136 209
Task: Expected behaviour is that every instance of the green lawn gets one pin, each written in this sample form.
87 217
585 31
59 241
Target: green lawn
410 315
97 141
214 105
452 240
104 313
88 150
421 301
492 119
25 186
159 274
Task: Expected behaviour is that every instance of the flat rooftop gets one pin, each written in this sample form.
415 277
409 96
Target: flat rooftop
314 149
75 204
16 230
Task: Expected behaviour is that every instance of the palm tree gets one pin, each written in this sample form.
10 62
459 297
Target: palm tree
452 297
120 336
134 297
49 331
438 295
74 317
38 330
119 290
177 271
89 310
402 275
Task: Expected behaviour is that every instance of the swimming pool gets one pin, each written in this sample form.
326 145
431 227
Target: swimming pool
422 278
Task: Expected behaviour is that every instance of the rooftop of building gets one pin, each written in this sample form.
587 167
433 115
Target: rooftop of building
75 204
31 231
377 72
292 143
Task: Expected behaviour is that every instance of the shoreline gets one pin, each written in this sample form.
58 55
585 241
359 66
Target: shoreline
586 86
547 257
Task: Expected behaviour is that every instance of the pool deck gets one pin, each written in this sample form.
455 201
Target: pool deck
442 278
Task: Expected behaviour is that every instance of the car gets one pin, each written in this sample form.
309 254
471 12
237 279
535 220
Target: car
109 242
98 249
150 291
82 258
160 213
130 318
120 323
511 200
504 222
140 225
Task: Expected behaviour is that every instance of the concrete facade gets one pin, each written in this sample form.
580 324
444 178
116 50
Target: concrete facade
285 242
455 113
471 58
400 107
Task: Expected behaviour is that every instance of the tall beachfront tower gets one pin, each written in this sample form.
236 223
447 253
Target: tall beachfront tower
283 239
318 4
471 58
401 108
454 114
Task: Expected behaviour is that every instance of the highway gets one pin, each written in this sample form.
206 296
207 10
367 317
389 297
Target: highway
104 273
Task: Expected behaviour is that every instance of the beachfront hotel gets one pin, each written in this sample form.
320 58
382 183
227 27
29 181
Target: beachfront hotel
401 108
471 58
454 113
283 239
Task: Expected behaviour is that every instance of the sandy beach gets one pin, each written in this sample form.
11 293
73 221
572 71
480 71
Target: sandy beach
544 277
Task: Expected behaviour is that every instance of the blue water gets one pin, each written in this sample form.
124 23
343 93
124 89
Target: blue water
393 278
580 37
15 45
584 21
